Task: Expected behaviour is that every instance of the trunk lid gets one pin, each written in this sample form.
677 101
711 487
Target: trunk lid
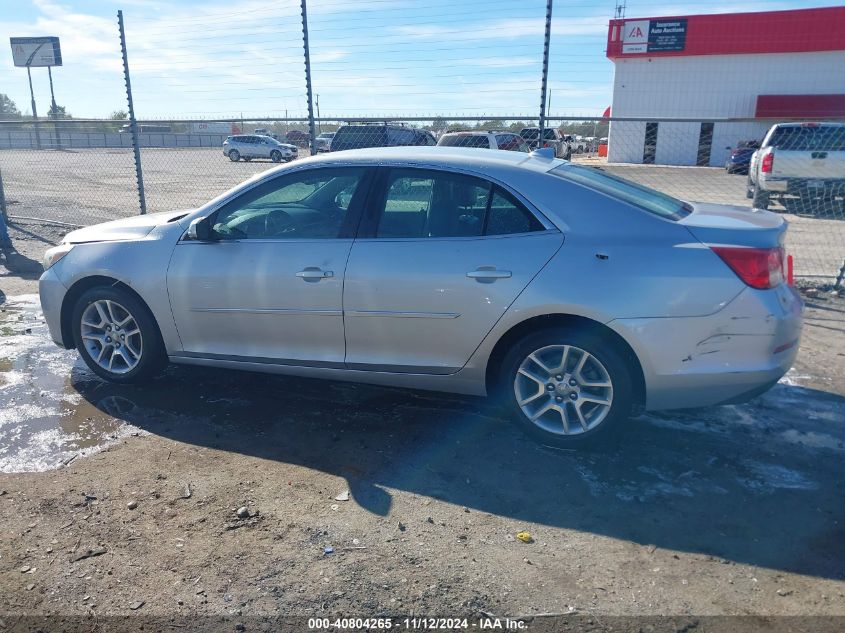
734 225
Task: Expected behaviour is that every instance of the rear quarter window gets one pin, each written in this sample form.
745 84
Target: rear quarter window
649 200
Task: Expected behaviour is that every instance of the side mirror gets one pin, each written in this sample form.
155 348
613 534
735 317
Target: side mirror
200 230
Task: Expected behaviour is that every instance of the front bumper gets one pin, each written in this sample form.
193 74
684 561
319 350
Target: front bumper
52 292
728 356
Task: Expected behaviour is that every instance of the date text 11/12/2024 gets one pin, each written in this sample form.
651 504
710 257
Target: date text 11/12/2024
415 624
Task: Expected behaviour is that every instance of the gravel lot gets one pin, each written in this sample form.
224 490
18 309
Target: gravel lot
89 186
734 510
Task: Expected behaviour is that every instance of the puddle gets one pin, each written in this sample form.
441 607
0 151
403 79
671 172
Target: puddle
44 422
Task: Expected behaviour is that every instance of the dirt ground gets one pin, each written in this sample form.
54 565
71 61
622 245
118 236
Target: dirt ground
367 501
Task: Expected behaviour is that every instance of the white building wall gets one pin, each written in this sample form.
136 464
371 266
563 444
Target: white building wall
709 87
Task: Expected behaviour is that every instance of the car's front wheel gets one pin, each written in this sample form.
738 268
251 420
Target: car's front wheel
116 335
276 156
234 155
566 387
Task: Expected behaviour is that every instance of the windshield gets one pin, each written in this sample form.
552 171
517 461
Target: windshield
625 190
826 138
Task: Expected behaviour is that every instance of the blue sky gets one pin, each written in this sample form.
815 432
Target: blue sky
227 58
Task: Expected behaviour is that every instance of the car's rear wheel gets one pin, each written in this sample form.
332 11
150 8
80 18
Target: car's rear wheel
760 199
234 155
566 387
276 156
117 336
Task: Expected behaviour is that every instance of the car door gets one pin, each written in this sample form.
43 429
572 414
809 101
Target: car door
264 147
439 259
269 287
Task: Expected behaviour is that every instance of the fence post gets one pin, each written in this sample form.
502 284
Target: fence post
5 241
544 82
311 129
133 124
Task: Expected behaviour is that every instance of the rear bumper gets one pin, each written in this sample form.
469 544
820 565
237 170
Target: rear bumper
729 356
805 187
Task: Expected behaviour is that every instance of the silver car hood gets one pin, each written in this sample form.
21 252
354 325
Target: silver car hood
133 228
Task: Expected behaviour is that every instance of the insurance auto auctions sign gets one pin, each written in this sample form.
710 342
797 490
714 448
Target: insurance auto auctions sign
36 51
654 36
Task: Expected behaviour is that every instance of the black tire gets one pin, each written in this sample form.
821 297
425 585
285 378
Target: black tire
153 355
622 390
276 156
234 155
760 199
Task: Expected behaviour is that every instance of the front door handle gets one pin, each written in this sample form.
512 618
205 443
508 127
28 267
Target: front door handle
313 273
488 274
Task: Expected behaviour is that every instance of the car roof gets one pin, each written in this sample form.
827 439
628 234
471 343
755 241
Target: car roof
468 133
446 157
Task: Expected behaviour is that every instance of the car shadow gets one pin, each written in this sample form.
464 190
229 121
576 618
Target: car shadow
756 483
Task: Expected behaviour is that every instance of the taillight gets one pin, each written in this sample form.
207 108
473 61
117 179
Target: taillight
768 163
760 268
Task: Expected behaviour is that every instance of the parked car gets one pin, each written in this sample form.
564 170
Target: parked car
379 135
263 131
801 164
447 269
738 161
551 138
324 142
576 143
486 140
249 146
298 138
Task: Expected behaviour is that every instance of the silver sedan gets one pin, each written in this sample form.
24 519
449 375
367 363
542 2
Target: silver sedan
576 297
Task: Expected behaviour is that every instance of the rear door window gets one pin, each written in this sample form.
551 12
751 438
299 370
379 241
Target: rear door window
428 204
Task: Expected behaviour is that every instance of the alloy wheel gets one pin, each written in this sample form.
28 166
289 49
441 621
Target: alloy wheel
111 336
563 389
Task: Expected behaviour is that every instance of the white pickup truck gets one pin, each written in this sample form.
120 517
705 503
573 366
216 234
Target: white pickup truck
800 164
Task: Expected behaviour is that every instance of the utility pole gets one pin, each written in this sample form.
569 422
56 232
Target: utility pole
311 129
34 111
55 109
133 124
545 72
5 241
319 123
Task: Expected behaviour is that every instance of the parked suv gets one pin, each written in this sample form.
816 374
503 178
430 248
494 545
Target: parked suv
801 164
551 138
249 146
487 140
379 135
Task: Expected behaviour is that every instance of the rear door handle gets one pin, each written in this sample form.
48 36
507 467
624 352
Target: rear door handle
312 273
488 274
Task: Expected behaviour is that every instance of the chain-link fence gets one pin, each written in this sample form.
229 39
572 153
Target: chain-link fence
84 172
